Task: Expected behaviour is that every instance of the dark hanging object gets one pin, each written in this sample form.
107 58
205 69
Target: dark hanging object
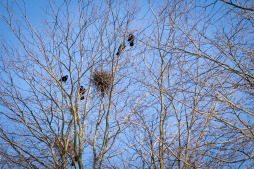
81 89
131 39
64 78
102 81
82 92
121 48
76 158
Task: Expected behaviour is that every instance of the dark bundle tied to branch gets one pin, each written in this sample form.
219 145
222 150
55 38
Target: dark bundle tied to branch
121 48
82 92
64 78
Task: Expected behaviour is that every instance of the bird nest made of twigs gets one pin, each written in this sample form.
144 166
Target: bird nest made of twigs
59 145
102 81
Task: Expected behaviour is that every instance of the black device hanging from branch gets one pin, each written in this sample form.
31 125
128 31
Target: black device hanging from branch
64 78
131 39
82 92
121 48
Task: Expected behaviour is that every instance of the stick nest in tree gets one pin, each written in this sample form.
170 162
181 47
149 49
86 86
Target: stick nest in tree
59 145
102 80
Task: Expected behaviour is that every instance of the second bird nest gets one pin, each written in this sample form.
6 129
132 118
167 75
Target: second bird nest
102 80
59 144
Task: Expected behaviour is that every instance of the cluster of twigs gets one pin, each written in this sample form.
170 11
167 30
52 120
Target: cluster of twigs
59 145
102 81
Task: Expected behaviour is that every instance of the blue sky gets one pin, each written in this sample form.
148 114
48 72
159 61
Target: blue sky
33 11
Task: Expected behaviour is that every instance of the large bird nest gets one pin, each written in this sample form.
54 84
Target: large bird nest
59 145
102 81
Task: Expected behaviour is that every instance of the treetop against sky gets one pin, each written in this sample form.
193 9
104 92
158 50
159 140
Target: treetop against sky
126 84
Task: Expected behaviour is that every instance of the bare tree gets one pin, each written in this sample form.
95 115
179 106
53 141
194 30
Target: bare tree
200 115
74 95
49 125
